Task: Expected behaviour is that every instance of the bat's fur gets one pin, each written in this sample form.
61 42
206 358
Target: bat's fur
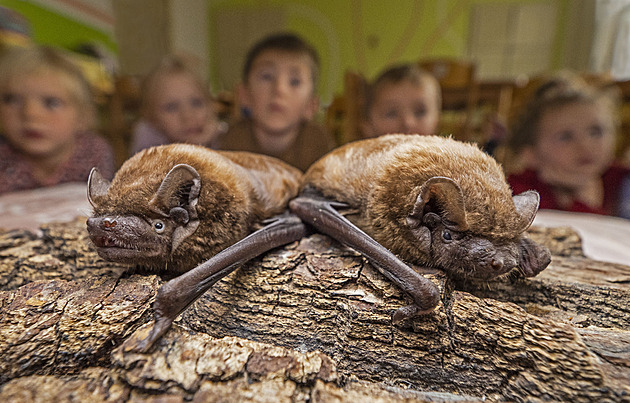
238 191
381 178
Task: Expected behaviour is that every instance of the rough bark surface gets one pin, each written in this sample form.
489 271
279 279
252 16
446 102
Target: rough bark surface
308 322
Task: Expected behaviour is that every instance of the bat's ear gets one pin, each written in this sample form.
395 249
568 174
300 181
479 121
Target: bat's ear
97 186
177 198
179 189
444 198
526 205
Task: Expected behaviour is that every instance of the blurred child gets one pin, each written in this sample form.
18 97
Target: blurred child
176 108
566 137
278 91
403 99
46 117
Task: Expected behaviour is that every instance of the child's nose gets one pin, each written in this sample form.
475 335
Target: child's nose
281 86
31 108
408 122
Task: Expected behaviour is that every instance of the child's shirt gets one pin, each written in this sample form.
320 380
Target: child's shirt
91 151
145 136
612 180
312 142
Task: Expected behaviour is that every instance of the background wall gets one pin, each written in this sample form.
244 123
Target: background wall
67 23
505 37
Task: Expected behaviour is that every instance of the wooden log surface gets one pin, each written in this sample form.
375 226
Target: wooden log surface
309 322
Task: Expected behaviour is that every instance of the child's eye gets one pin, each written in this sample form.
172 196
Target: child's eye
391 114
565 137
170 107
197 103
52 102
9 98
266 76
295 82
596 132
420 112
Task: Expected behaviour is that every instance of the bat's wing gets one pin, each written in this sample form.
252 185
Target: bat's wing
177 294
321 213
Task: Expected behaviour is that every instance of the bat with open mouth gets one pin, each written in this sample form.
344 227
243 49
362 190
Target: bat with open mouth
192 212
426 200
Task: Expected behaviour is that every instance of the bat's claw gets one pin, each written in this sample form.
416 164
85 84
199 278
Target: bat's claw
408 312
141 342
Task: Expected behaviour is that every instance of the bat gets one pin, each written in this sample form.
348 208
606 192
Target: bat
191 212
426 200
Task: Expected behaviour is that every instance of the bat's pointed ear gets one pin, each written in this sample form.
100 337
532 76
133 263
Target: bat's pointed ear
443 197
97 186
177 198
526 205
179 189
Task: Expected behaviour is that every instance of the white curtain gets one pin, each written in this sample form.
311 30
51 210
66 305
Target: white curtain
610 52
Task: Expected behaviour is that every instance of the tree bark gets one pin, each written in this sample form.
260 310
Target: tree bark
310 321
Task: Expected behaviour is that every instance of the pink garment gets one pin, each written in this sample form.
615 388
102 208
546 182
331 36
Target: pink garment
145 136
91 151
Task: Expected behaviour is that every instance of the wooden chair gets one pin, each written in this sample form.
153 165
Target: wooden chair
345 113
122 112
460 93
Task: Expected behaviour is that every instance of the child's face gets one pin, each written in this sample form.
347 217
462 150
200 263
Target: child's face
38 115
181 111
404 108
575 143
279 92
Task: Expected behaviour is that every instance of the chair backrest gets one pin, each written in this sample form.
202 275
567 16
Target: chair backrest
460 93
345 114
123 110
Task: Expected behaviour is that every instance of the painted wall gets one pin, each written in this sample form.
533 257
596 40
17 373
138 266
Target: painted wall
360 35
55 23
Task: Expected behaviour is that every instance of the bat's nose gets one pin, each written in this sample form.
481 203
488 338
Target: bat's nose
103 224
109 223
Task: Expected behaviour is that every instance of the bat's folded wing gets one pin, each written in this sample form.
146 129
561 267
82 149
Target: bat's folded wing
177 294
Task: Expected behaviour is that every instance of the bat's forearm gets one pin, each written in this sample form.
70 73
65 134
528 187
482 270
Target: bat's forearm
321 214
177 294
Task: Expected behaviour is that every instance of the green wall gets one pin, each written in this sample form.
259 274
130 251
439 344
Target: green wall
364 36
51 28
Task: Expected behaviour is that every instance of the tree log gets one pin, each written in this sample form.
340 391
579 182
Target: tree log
310 321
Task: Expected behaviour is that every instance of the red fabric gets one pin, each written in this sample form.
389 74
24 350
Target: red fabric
612 179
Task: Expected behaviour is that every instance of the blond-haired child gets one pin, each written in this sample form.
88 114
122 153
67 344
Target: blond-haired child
47 116
176 107
278 92
402 99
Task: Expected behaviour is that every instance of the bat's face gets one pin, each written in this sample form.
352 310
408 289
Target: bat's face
132 239
466 255
438 224
149 236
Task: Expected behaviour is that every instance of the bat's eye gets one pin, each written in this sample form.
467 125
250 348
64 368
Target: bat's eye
159 226
446 234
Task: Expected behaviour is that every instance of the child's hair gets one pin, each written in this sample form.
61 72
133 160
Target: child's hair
409 72
169 65
20 62
285 42
561 89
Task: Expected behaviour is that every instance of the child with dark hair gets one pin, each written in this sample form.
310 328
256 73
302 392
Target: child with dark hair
402 99
566 138
278 90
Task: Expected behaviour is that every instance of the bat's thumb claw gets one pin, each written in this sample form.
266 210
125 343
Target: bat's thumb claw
408 312
144 338
404 313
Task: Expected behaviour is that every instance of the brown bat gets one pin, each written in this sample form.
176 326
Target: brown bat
426 200
189 211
